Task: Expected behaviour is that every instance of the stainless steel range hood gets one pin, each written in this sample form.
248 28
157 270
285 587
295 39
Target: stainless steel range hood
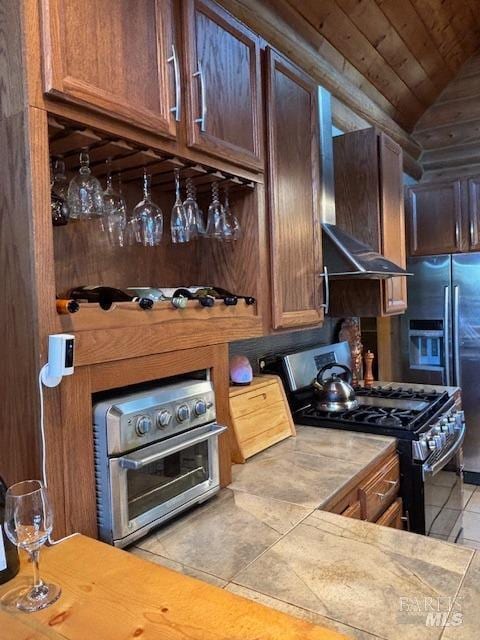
347 257
344 256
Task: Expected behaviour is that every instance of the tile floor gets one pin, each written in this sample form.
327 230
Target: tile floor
447 527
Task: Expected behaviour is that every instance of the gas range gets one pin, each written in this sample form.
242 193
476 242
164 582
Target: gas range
427 418
427 424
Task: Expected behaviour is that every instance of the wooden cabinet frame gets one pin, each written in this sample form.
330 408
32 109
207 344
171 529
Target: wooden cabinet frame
202 139
459 243
301 317
60 85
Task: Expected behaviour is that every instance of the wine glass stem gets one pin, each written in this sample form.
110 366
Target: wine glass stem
37 581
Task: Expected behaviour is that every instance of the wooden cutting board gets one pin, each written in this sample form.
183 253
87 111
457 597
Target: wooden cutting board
260 416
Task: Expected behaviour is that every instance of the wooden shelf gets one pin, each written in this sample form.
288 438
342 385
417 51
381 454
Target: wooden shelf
67 140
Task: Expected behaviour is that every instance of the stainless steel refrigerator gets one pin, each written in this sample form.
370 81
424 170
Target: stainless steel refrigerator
441 336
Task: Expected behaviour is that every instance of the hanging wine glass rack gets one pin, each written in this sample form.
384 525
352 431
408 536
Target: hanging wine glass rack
67 140
232 266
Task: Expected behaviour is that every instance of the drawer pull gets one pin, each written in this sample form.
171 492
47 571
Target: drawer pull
260 395
392 482
381 495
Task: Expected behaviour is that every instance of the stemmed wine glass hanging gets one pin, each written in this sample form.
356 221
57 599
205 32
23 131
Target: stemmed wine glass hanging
84 198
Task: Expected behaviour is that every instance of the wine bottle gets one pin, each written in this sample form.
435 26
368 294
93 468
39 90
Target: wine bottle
106 296
67 306
9 564
222 294
204 299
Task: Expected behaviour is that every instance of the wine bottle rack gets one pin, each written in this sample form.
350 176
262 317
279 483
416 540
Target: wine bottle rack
67 140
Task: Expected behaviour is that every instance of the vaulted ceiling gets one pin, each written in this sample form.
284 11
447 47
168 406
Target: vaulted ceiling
401 53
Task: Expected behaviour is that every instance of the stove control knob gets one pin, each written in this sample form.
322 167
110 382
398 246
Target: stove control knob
143 425
438 441
183 413
445 427
431 444
200 407
163 419
436 429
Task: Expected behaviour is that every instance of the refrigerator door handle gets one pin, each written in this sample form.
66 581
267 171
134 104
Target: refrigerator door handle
456 333
446 335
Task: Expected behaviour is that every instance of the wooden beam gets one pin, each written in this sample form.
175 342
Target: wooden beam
261 18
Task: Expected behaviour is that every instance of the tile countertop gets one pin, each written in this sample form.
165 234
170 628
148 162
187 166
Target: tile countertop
265 538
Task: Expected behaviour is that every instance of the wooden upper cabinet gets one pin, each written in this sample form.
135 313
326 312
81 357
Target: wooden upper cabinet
392 222
222 60
294 187
474 213
369 206
112 56
435 221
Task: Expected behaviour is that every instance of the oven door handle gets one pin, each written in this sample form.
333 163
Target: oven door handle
431 470
135 463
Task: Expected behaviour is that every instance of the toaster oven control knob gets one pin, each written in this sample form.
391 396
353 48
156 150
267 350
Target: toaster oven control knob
200 407
143 426
183 413
163 419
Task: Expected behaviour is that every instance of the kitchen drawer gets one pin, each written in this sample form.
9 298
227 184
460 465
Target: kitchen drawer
379 492
353 511
392 516
260 415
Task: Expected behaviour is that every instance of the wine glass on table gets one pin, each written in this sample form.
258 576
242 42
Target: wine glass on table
28 524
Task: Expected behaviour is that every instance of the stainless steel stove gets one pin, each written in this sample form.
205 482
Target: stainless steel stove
428 425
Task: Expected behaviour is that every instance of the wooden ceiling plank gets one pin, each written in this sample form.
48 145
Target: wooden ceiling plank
332 55
438 24
449 134
446 113
333 23
416 36
381 34
473 6
463 22
281 35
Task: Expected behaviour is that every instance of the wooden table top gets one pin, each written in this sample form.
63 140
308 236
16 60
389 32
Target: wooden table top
110 594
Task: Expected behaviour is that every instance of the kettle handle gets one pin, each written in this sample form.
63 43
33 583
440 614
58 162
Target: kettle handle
332 365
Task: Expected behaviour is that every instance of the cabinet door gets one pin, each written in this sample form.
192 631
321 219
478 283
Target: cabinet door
474 213
223 71
112 56
295 242
392 222
434 216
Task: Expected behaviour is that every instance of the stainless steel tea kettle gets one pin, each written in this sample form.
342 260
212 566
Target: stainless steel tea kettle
334 394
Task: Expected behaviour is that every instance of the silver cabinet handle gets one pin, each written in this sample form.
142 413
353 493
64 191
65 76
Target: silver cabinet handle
203 98
178 86
456 334
457 233
326 304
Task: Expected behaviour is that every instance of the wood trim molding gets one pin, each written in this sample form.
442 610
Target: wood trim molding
263 20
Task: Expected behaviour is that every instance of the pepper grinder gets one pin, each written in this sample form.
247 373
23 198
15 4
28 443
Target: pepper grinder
368 377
